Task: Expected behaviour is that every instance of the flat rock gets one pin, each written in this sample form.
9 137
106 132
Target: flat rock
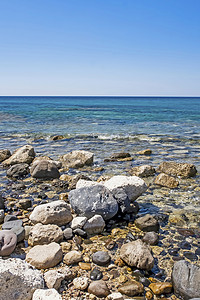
143 171
18 279
4 154
72 257
8 241
44 169
94 225
56 212
137 254
24 154
184 170
166 181
93 200
186 280
131 288
45 256
45 234
147 223
50 294
160 288
18 170
132 185
77 159
99 288
101 258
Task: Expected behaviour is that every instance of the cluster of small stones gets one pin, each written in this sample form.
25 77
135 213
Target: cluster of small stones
74 237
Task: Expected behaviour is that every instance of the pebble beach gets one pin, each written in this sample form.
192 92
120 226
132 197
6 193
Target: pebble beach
100 215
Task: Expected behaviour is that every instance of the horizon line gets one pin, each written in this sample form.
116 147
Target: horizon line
124 96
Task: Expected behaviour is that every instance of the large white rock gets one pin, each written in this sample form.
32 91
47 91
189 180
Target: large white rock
44 234
132 185
56 212
94 225
45 256
77 159
24 154
18 279
50 294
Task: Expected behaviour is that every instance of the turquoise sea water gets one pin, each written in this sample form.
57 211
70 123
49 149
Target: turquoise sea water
102 124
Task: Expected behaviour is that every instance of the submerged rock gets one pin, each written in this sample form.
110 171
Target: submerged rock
4 154
166 180
184 170
93 200
186 280
147 223
143 171
18 279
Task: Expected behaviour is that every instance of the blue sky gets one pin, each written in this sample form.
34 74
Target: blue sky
100 47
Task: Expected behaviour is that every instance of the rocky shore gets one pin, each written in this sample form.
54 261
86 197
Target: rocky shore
71 231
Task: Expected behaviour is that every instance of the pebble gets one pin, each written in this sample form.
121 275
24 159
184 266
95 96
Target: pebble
85 266
99 288
159 288
81 283
131 288
101 258
96 274
72 257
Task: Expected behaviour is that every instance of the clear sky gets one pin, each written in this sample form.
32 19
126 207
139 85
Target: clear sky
100 47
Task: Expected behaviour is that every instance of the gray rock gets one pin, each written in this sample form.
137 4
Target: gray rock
101 258
18 279
151 238
122 200
147 223
8 241
24 203
18 170
4 154
77 159
45 256
78 222
11 224
44 169
99 288
94 225
24 154
20 233
2 214
68 233
45 234
2 205
93 200
186 280
132 185
137 254
56 212
9 218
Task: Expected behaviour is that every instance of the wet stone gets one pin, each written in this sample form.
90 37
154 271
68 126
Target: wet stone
174 251
96 274
197 252
185 245
101 258
151 238
191 256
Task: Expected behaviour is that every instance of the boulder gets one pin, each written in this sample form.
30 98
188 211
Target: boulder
44 169
18 279
147 223
183 170
40 158
186 280
24 154
94 225
131 288
8 241
18 170
137 254
132 185
56 212
143 171
50 294
44 234
92 200
4 154
77 159
45 256
99 288
166 180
